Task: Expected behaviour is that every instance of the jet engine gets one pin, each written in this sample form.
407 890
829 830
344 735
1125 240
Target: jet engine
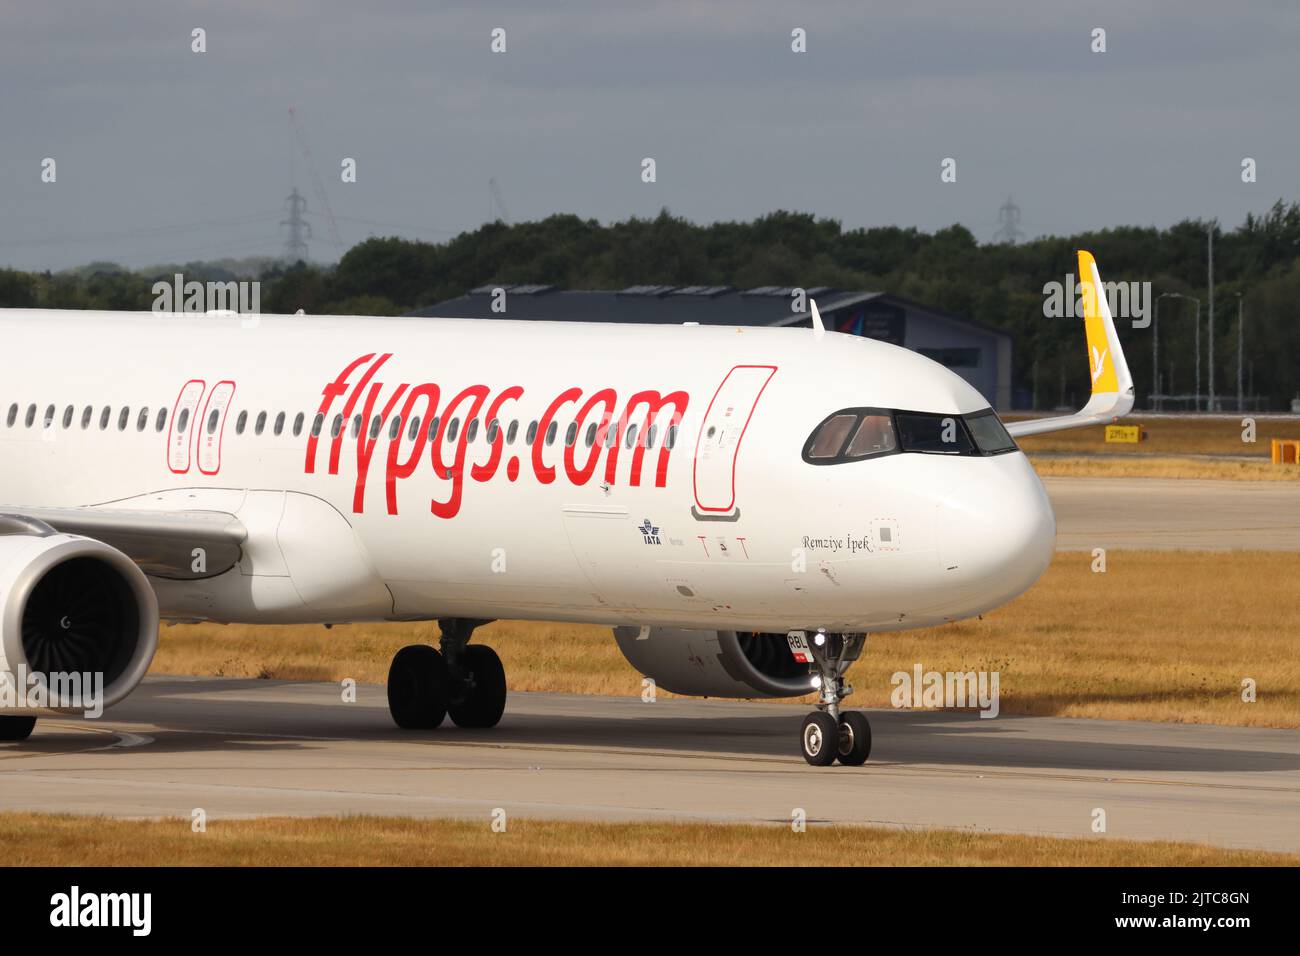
715 663
71 605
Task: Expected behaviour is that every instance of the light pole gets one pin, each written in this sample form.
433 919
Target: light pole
1241 339
1155 354
1210 272
1196 325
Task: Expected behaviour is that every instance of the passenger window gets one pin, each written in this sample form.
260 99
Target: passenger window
298 421
259 426
511 432
123 417
551 432
531 435
611 434
874 436
240 423
86 415
141 421
278 428
336 428
161 423
830 437
631 437
452 428
104 416
317 424
414 428
433 427
13 415
67 416
183 420
493 430
395 429
30 418
471 430
650 436
215 417
591 435
49 416
356 425
571 433
376 423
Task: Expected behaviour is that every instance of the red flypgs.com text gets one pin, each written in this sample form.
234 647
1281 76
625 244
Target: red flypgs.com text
357 391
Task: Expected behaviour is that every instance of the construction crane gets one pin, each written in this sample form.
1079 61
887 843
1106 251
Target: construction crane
318 187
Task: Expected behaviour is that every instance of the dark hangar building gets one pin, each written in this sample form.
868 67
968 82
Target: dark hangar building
978 353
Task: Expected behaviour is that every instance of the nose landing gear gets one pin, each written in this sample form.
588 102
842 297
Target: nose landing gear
426 685
828 733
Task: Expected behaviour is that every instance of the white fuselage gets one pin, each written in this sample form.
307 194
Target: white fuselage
730 528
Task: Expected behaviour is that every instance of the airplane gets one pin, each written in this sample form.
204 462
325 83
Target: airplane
741 505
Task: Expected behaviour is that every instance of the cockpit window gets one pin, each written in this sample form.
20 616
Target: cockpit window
875 436
991 437
853 434
830 438
934 434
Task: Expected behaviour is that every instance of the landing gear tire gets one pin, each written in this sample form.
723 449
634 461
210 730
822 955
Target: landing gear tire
417 688
485 699
16 729
819 739
854 738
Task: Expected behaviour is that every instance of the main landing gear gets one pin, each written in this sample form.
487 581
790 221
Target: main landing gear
426 685
829 733
14 729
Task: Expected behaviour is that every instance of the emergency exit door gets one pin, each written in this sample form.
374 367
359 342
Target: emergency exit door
212 426
180 437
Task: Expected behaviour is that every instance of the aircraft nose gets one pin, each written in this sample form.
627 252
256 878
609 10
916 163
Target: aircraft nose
996 528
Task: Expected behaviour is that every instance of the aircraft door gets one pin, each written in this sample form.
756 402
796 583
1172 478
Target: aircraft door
180 434
212 426
718 445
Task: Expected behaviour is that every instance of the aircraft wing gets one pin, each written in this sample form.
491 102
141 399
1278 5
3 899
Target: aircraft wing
162 543
1112 385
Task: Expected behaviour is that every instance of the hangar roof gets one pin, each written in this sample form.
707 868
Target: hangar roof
667 304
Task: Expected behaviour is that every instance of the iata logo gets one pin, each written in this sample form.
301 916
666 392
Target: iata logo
649 532
646 414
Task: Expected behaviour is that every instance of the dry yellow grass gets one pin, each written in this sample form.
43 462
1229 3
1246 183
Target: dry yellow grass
54 840
1166 636
1169 436
1119 466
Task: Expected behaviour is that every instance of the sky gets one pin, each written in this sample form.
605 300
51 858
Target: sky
165 154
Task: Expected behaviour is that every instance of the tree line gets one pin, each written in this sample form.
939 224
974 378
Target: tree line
998 284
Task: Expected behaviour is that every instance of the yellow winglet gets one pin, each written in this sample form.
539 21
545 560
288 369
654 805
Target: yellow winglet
1096 323
1112 385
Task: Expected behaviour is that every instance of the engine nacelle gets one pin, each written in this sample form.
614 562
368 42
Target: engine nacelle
72 605
715 663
